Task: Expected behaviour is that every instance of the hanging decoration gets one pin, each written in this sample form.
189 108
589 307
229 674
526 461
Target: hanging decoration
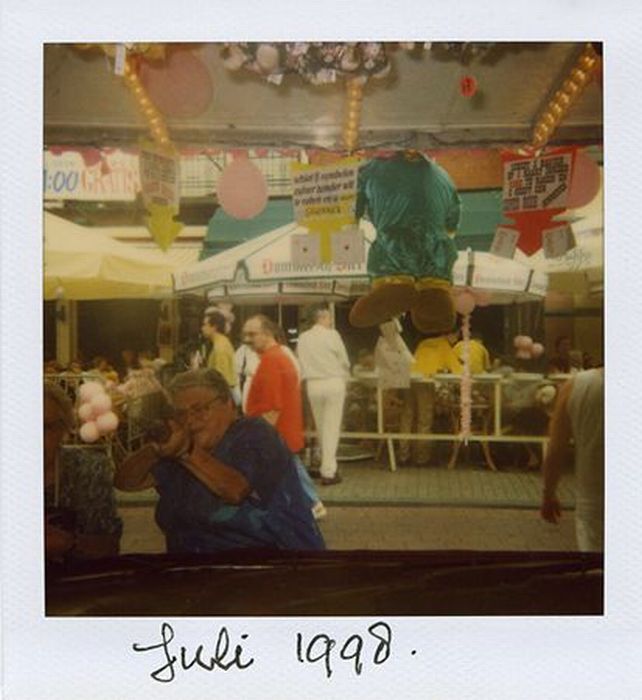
352 119
160 185
158 162
535 192
94 411
465 305
468 86
585 69
242 190
413 205
316 62
324 200
180 86
585 181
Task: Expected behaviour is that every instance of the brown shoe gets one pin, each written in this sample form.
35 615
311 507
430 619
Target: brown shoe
330 481
434 311
385 301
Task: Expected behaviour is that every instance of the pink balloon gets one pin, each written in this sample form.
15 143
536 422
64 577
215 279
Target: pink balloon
464 303
242 190
525 343
100 404
180 86
90 389
85 412
89 432
517 340
537 350
585 181
483 298
107 422
523 355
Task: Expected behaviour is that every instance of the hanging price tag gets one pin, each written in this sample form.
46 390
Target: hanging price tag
348 247
306 249
557 241
505 242
119 61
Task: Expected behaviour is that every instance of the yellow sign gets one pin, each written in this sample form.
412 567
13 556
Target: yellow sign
324 199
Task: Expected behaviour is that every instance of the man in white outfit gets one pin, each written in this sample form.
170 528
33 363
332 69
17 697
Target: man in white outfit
325 368
579 414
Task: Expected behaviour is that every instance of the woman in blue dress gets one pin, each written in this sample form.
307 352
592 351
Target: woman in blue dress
224 482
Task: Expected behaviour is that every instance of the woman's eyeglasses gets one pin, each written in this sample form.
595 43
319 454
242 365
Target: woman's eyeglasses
199 410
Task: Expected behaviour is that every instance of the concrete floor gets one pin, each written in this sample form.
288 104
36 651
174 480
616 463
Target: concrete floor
399 528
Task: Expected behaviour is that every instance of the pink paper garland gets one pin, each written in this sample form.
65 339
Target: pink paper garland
465 392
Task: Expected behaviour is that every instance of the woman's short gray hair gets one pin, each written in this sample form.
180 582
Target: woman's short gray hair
207 378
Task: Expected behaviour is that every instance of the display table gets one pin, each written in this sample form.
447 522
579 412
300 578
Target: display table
494 386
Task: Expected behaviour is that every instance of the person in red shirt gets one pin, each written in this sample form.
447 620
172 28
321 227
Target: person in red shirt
275 394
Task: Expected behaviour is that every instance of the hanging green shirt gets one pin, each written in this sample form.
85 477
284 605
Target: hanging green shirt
413 204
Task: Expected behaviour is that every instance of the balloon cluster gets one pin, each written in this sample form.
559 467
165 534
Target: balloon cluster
468 299
95 412
579 77
354 94
526 349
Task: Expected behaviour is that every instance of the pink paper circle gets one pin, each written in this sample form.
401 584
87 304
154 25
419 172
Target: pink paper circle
100 404
464 303
242 190
585 181
180 86
107 423
85 412
89 432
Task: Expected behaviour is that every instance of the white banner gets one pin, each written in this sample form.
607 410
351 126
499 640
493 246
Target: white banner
90 175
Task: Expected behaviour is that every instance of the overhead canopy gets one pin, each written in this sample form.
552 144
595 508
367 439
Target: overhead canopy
262 268
80 263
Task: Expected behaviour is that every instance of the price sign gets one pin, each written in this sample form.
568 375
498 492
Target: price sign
159 175
557 241
505 242
534 184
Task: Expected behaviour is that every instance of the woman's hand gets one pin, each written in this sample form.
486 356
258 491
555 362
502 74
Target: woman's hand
179 442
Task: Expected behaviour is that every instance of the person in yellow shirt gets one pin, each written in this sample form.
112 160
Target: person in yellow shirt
221 357
432 356
478 354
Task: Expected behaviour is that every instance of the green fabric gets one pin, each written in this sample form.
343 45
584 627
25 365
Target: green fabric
481 213
412 204
224 232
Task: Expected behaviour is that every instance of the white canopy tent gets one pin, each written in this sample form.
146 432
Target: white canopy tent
262 268
81 263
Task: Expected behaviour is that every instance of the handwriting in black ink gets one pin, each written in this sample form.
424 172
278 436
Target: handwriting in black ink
167 672
320 647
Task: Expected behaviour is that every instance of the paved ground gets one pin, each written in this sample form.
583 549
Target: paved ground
401 528
469 507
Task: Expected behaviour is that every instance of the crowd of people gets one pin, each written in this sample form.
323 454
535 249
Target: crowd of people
227 460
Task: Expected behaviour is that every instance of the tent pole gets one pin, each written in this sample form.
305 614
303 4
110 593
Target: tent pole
280 316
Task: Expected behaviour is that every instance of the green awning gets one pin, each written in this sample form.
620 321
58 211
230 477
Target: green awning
481 214
225 232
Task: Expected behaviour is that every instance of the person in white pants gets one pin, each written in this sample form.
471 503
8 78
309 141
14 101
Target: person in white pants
325 368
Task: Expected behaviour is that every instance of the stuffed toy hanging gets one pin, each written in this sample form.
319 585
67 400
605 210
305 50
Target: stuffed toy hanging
415 208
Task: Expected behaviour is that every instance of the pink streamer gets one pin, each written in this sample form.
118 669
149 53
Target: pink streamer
465 392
